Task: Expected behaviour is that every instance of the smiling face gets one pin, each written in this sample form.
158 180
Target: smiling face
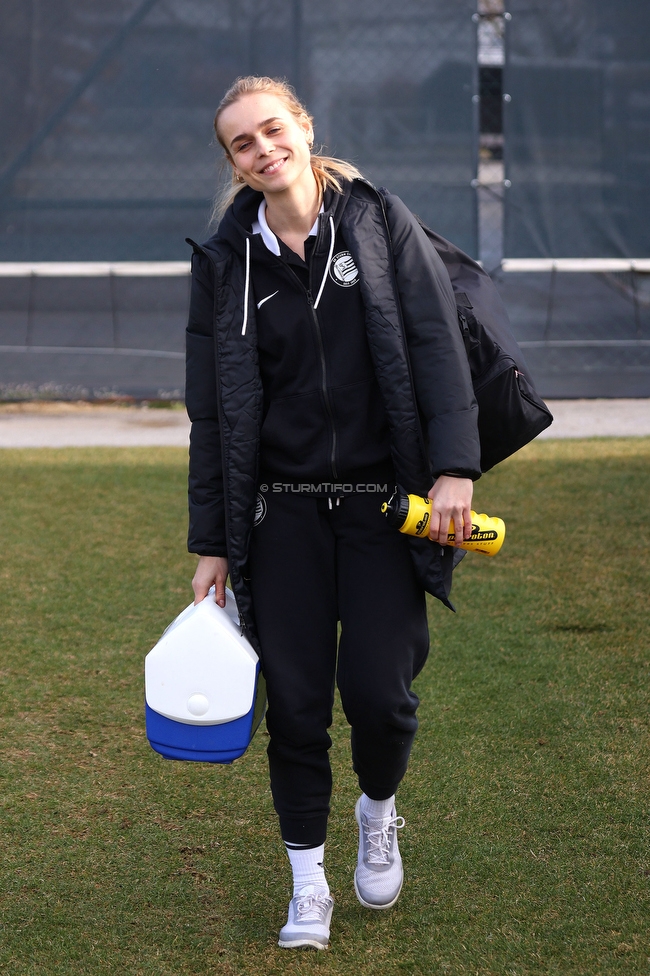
266 144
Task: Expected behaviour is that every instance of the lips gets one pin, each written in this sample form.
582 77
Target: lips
273 167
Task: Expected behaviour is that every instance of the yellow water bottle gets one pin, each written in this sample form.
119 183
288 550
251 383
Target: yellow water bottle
411 514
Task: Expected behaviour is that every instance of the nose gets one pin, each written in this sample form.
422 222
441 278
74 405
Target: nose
264 145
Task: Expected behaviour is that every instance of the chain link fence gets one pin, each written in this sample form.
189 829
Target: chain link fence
108 156
577 171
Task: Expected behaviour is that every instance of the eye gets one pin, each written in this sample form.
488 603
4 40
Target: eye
242 146
274 128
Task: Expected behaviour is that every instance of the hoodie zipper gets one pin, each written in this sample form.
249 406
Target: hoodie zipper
313 307
326 398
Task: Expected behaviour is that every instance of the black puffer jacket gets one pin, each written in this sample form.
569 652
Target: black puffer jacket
418 356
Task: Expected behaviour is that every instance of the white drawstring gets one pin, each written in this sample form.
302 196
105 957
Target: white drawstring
327 266
246 284
248 273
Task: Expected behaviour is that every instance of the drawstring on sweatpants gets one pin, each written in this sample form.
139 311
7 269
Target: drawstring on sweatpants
329 502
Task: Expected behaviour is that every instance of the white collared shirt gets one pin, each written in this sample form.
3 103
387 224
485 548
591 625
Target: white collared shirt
260 226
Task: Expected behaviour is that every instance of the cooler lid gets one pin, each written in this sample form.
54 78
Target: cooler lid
202 671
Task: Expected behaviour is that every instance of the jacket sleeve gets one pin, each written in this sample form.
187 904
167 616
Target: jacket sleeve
207 530
441 375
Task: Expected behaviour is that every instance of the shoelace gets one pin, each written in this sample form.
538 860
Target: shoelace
379 840
312 907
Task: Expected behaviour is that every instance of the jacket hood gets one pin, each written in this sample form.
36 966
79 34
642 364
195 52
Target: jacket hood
236 226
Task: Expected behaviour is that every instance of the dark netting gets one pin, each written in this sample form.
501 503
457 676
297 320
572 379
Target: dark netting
402 106
577 128
583 335
107 108
64 337
107 154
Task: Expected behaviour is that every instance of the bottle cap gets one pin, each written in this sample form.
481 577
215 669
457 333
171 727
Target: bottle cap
396 510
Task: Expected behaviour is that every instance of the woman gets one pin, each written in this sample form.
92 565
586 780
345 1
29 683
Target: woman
325 365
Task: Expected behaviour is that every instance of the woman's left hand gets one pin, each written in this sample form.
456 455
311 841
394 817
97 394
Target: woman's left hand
451 499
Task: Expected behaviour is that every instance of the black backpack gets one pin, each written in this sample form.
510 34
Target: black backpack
511 412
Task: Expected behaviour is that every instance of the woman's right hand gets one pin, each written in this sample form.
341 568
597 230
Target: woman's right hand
211 570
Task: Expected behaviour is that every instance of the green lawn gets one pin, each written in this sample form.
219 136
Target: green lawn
528 797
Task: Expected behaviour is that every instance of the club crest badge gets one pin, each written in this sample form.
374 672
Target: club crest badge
343 270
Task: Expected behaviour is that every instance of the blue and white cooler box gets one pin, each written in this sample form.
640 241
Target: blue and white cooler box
204 692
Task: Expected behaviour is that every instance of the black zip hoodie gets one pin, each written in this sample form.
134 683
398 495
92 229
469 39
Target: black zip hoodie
417 352
324 419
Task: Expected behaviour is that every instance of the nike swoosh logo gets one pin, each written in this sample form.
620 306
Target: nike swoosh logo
259 304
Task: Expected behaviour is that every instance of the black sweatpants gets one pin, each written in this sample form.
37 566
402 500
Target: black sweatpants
311 565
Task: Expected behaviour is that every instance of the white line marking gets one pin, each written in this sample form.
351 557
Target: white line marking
94 269
593 265
94 351
584 343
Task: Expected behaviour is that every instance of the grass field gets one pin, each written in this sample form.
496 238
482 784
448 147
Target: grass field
528 797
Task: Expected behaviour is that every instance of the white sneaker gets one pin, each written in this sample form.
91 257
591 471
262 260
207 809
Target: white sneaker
379 875
310 914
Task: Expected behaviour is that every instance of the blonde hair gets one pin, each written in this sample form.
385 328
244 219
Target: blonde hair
328 171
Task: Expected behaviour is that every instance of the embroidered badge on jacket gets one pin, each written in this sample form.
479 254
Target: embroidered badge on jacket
343 270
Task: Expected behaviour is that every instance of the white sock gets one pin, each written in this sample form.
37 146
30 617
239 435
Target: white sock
376 809
307 867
